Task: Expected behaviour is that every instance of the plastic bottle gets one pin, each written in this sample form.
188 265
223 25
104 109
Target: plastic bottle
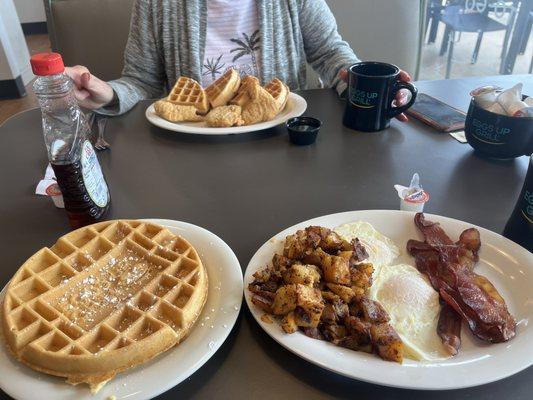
71 154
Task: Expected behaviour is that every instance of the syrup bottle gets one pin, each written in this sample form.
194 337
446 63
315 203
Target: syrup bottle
71 154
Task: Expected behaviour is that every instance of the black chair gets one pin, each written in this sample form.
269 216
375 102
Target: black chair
433 14
458 18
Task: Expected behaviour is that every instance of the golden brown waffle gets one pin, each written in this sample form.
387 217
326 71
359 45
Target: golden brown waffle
221 91
188 92
279 91
102 299
242 97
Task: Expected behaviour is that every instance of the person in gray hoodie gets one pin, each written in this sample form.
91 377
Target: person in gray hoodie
168 39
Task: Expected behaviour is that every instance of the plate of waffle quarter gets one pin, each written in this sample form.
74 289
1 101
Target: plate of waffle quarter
230 105
124 309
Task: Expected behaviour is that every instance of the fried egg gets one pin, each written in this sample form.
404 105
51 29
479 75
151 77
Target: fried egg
413 307
381 249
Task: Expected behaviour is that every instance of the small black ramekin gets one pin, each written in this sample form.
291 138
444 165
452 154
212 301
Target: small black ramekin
303 130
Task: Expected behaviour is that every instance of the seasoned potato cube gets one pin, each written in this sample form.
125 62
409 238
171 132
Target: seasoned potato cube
288 323
387 343
369 310
344 292
285 300
290 296
336 270
308 317
361 276
305 274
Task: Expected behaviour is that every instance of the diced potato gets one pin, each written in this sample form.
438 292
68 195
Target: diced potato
369 310
285 300
361 276
336 270
308 317
288 323
387 343
344 292
290 296
299 273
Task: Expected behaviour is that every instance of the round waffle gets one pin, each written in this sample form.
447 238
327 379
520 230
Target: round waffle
102 299
188 92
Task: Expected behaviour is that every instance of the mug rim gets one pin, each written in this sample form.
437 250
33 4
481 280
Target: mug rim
396 68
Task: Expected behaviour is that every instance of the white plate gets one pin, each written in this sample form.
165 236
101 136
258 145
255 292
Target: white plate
508 266
296 106
172 367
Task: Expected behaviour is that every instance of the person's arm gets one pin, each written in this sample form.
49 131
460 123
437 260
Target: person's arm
325 50
143 76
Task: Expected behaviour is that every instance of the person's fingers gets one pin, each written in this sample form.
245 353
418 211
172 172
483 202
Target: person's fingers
344 75
404 76
81 95
402 118
85 80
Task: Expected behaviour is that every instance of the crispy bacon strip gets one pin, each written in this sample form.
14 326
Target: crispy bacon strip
449 329
449 267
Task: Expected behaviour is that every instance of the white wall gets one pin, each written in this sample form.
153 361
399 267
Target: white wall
30 10
14 54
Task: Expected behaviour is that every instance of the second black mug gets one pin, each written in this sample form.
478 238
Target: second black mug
372 88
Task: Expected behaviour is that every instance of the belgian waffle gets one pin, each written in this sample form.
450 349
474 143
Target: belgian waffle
188 92
279 91
221 91
242 97
102 299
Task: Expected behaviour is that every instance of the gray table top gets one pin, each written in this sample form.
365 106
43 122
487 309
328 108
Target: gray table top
245 188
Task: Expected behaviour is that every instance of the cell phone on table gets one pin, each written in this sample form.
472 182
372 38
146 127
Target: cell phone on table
437 114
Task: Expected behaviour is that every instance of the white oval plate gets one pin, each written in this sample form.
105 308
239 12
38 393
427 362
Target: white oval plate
170 368
507 265
296 106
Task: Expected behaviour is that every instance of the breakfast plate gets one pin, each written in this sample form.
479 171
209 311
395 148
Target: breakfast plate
507 265
170 368
296 106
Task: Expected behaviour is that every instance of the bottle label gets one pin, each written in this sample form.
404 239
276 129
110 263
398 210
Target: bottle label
92 176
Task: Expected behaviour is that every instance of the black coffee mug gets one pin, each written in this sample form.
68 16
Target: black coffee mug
371 90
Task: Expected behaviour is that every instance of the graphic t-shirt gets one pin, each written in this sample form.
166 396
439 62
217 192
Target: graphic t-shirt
232 39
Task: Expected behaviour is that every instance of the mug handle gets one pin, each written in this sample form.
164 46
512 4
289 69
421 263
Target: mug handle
394 111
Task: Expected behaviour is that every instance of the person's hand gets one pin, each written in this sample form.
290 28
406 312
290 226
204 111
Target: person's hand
401 96
90 92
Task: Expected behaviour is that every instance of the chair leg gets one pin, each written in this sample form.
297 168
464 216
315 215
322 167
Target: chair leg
450 54
476 49
435 19
525 37
445 40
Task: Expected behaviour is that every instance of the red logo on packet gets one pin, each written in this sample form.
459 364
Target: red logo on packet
417 197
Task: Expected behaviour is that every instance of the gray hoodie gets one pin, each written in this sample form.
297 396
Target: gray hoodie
167 40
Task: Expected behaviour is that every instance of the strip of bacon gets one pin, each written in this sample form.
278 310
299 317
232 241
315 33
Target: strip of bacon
449 267
449 329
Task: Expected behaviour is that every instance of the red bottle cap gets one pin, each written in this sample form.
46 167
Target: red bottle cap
43 64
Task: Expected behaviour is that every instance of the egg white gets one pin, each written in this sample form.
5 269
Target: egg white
413 307
381 249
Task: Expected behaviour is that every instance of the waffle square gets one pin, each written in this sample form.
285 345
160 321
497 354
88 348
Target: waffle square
188 92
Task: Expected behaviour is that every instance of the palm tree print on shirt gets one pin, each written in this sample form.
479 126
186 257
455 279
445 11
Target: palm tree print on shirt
213 67
248 45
